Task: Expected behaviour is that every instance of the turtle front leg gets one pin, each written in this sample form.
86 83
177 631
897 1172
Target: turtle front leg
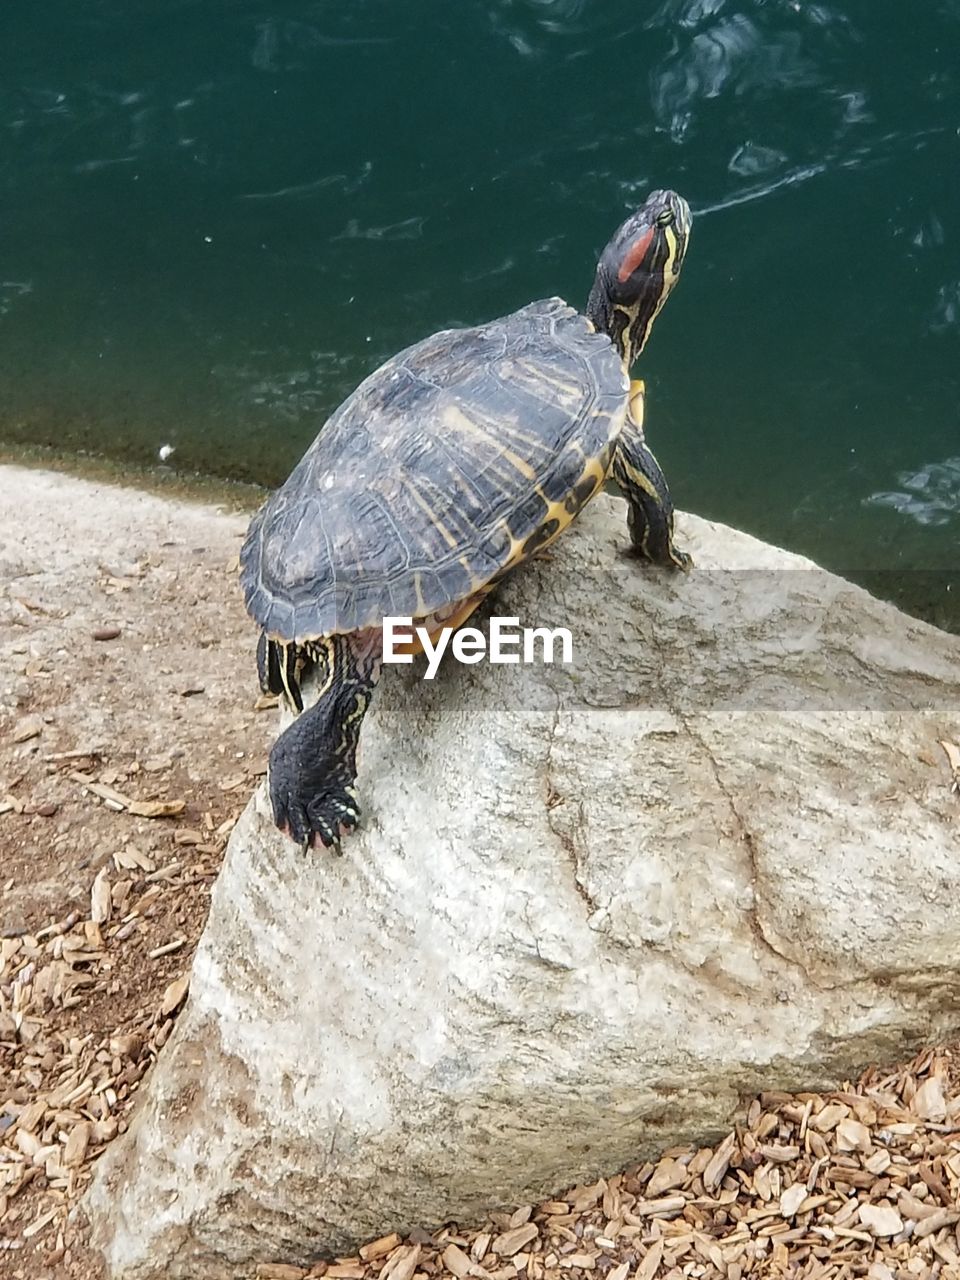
313 764
650 507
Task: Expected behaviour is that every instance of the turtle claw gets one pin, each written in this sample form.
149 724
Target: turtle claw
333 814
326 838
320 822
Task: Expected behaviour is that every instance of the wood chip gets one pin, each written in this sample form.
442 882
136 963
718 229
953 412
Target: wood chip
456 1261
376 1248
173 998
667 1175
586 1197
100 903
650 1265
401 1264
936 1222
166 949
156 808
75 1150
460 1264
481 1244
780 1155
880 1271
853 1136
511 1242
26 728
719 1162
929 1101
667 1207
38 1224
880 1221
80 754
131 859
829 1117
792 1199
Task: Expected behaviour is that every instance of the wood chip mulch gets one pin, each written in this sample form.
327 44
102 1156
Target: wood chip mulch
65 1090
861 1182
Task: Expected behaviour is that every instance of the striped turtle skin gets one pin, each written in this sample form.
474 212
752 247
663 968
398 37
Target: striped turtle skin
449 465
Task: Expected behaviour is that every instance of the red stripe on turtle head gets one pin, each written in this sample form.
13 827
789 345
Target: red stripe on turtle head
635 256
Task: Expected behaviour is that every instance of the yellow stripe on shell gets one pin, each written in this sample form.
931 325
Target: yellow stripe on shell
429 512
457 420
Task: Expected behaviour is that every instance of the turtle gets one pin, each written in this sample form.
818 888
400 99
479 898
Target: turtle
446 468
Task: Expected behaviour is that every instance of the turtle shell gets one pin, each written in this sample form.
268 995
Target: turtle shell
452 462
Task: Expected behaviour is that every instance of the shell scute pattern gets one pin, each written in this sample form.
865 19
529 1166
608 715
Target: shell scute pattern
442 469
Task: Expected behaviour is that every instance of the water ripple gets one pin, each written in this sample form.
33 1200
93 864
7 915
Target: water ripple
10 291
946 309
280 44
930 496
750 160
802 174
734 54
685 13
408 229
304 190
288 395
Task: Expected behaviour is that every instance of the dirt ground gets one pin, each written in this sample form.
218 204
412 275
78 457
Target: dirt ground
102 904
131 735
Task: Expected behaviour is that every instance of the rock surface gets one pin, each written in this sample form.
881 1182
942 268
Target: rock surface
590 907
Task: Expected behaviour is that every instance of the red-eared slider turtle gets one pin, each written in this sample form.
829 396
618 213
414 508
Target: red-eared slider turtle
446 468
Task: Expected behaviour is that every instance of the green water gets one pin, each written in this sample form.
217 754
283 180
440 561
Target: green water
216 216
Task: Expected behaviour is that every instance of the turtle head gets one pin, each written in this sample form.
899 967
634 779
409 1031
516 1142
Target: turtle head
637 270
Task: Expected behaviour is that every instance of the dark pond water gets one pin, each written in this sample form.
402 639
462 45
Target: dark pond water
217 215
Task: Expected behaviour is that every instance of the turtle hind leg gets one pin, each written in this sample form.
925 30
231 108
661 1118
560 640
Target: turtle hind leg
650 507
277 669
313 764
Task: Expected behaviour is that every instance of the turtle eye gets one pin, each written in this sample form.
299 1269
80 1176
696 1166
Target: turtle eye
666 218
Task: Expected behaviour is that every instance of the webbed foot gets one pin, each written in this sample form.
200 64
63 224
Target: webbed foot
314 800
317 819
667 557
313 763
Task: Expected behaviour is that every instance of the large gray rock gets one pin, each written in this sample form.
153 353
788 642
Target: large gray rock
590 908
